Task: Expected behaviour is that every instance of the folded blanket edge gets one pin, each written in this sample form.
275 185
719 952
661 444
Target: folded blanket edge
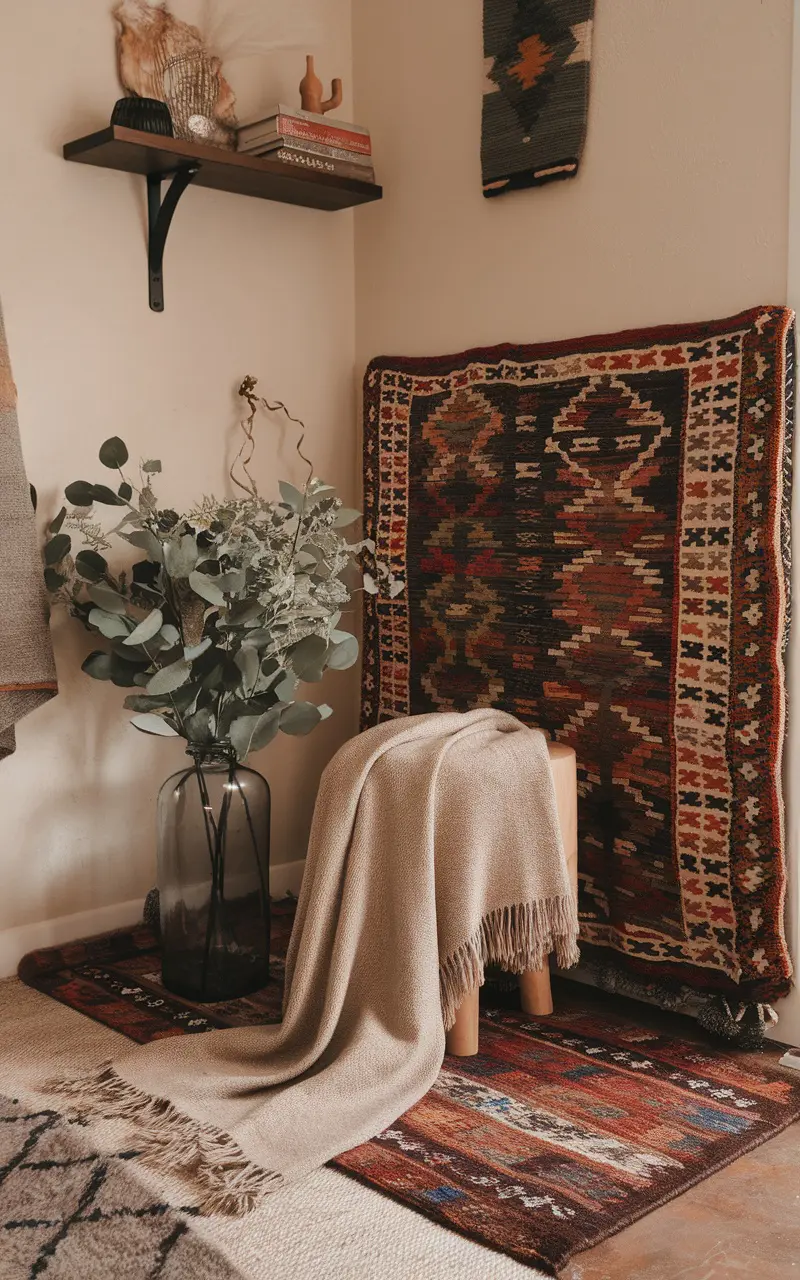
516 938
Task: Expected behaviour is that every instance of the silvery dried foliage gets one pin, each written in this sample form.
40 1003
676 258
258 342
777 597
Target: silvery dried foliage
230 608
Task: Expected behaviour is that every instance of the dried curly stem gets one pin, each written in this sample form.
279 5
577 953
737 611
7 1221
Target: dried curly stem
247 391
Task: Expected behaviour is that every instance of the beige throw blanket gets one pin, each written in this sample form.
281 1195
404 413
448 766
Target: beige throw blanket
27 668
435 850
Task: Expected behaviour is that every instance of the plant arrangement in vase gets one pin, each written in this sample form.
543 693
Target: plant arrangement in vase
229 608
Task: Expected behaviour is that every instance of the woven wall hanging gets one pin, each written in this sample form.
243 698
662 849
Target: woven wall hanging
536 94
593 536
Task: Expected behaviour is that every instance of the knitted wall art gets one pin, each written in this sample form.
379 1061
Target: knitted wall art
536 93
593 536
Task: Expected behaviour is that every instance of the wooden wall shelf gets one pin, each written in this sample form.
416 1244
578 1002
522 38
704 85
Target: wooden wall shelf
157 158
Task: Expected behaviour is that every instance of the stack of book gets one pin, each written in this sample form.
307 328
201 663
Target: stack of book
311 142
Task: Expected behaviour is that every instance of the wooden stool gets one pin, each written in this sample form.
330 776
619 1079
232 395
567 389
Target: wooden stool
534 986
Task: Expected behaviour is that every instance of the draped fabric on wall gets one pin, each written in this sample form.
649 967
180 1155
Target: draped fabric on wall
27 666
594 537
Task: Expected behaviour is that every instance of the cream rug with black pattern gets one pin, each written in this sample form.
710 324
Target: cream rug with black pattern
68 1212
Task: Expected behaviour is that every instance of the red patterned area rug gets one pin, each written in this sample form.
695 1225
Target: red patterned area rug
559 1133
592 535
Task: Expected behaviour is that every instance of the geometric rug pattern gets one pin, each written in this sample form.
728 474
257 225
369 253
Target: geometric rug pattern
68 1213
536 91
557 1134
593 537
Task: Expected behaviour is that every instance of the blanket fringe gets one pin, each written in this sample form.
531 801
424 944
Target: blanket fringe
516 938
171 1142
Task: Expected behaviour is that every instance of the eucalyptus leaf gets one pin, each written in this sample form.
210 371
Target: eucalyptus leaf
80 493
106 598
369 584
146 629
148 542
324 711
179 701
199 727
113 453
133 657
193 651
144 702
308 658
53 580
125 491
169 678
242 611
123 674
251 733
232 582
247 660
345 516
235 708
111 625
206 588
55 525
305 559
286 688
91 565
396 588
154 724
291 496
299 718
151 467
269 674
102 493
97 665
170 636
344 653
57 548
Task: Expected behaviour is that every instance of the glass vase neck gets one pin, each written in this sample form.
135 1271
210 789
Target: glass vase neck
211 753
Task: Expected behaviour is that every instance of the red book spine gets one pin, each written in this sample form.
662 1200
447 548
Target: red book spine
326 134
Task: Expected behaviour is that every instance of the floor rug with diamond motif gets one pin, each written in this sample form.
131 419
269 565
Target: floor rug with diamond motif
593 536
68 1211
558 1134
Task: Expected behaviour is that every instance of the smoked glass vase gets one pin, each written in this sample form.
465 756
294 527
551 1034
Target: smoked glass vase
213 877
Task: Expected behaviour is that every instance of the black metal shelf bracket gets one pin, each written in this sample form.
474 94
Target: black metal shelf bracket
159 217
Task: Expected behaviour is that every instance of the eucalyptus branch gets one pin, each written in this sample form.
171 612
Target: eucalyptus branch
272 576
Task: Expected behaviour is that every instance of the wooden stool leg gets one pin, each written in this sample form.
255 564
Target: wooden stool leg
462 1038
534 991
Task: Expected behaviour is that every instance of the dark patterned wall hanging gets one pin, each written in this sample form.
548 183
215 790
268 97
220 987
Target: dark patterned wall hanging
591 535
536 93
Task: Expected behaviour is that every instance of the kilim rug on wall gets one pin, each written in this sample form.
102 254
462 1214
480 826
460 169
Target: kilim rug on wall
536 93
559 1133
592 536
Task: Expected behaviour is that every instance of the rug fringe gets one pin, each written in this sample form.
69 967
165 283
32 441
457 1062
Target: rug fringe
171 1142
516 938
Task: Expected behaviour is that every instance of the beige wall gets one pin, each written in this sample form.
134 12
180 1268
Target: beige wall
679 212
250 287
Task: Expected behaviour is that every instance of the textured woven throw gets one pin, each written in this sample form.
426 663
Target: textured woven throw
536 95
27 668
435 850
